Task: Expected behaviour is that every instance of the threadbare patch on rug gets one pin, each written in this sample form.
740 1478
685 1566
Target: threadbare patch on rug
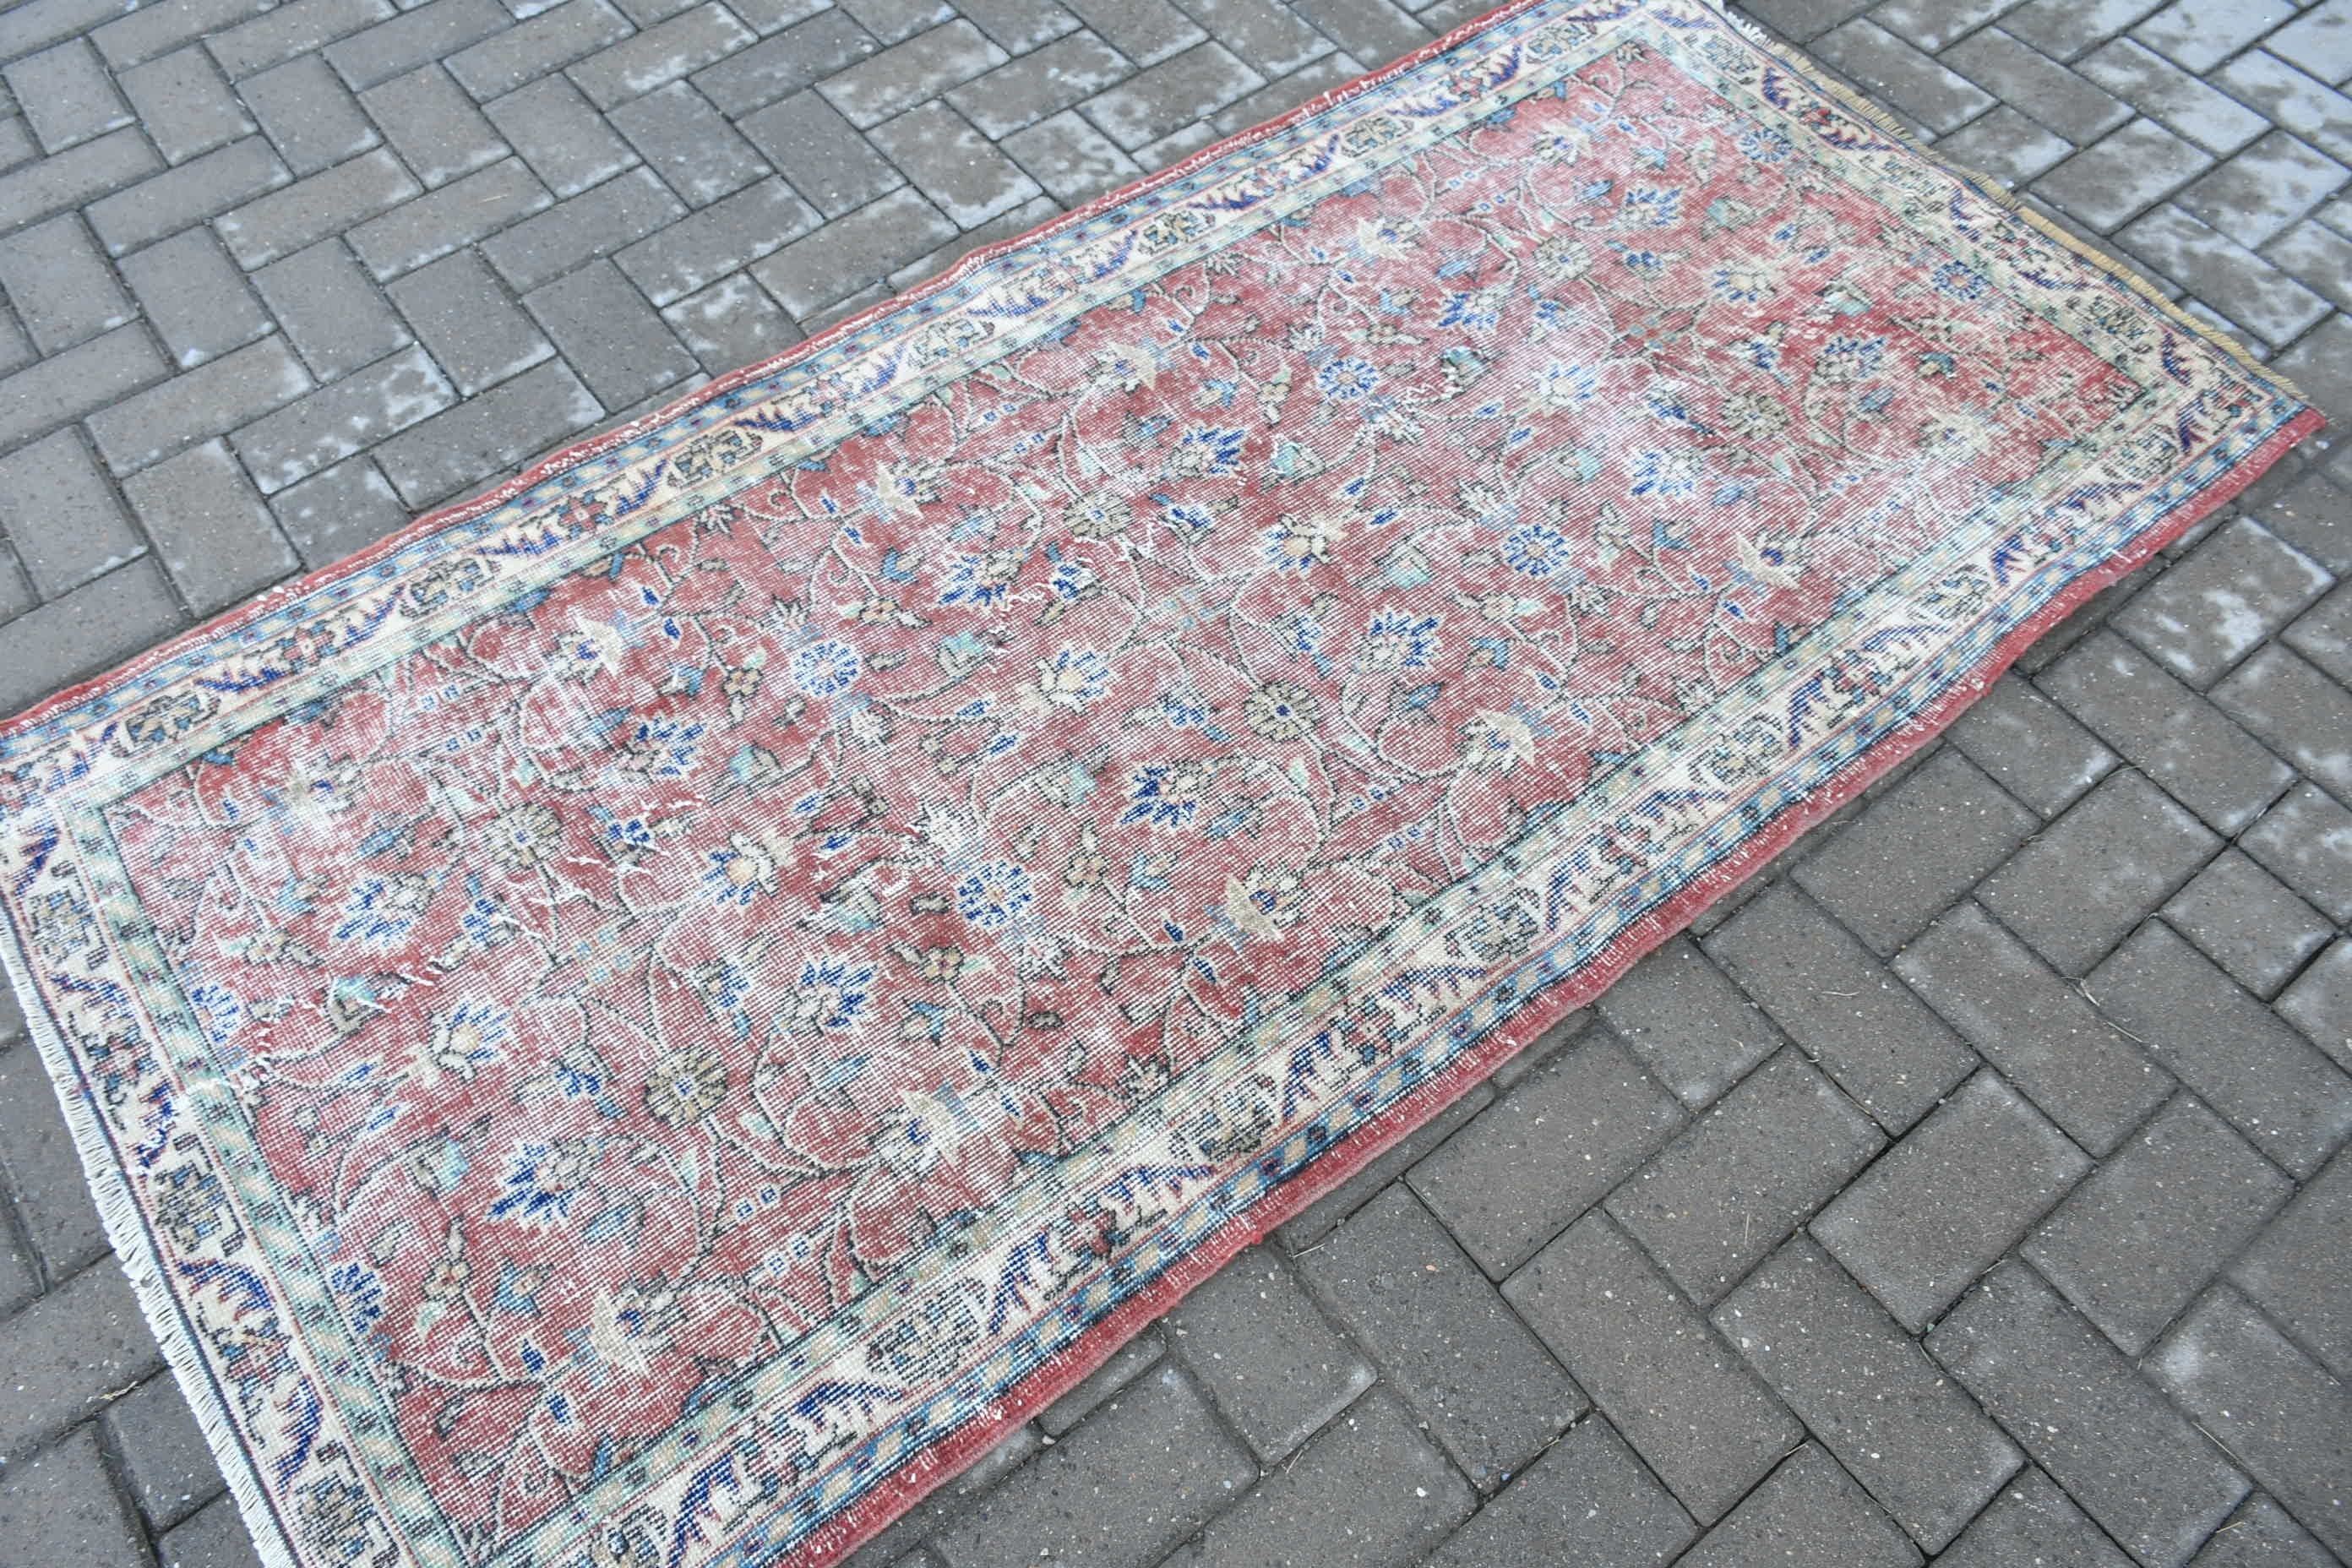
647 1019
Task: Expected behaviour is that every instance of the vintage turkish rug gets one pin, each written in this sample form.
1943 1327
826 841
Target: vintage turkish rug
644 1021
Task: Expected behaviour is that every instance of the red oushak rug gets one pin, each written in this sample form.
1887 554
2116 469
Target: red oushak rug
647 1019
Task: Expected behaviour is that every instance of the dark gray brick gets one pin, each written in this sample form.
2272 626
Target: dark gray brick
74 176
342 418
1808 1513
466 317
1284 94
1917 847
459 213
310 210
1373 31
2279 1413
1948 1201
828 162
2133 1244
610 336
2064 28
597 221
1267 1355
2073 1401
67 1351
2230 593
547 42
160 28
2321 364
295 28
2320 1002
1146 1471
2032 747
1877 1040
1895 72
307 113
2288 1098
196 190
99 624
60 1506
2033 1026
903 75
2173 98
1267 35
1007 226
2248 923
2182 741
61 286
1307 1229
2006 145
849 253
184 104
1725 1194
66 521
1587 1502
2201 34
1684 1402
2295 1272
1020 25
334 314
487 434
213 1538
2073 107
958 168
2258 193
2098 871
66 95
2305 840
426 32
2257 296
1370 1490
210 529
785 64
433 125
1688 1024
1171 95
66 386
2312 109
2325 636
2261 1534
2301 713
894 21
2103 186
1052 79
720 239
696 153
1145 31
1934 24
1582 1121
733 323
2029 1524
330 514
1486 1389
153 425
195 296
1071 159
36 1154
684 44
39 23
566 143
1863 1388
1127 1364
169 1470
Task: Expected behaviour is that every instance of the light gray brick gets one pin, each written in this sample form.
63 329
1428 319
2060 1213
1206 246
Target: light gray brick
1808 1511
779 67
42 1168
212 1537
310 210
294 28
308 115
71 1348
38 24
195 296
849 253
1020 25
66 520
58 280
1304 1229
184 104
99 624
2298 711
1894 71
2317 257
153 425
2318 42
720 239
2261 1534
684 44
2065 29
1284 94
1145 31
1071 159
1171 95
903 75
483 436
1373 31
334 314
459 213
2030 746
210 529
1587 1502
1267 35
74 176
345 418
66 386
196 190
1916 849
66 95
2004 145
426 32
597 221
826 159
433 125
696 153
547 42
1124 1365
1688 1024
1027 89
332 513
2201 34
1266 1353
563 138
2261 192
2321 364
2104 184
610 336
160 28
1934 24
894 21
2311 108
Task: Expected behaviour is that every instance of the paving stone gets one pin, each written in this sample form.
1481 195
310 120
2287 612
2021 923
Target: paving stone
39 23
2319 42
2229 594
965 176
2065 29
1804 20
696 153
426 32
2262 1535
1373 31
310 210
1020 25
2034 1027
2066 103
307 113
36 1154
1810 1512
2191 747
1071 159
2319 257
826 160
2073 1401
610 336
1720 1197
2321 364
487 434
596 223
1934 24
1582 1121
2032 748
2104 184
2324 636
2201 34
2133 1244
168 1470
74 176
58 1506
788 63
566 143
899 78
1947 1201
547 42
2289 1099
1171 95
198 189
1130 1362
147 426
851 252
2259 297
2296 1271
2305 840
98 625
1917 849
2278 1412
210 529
733 323
894 21
1368 1491
2171 96
66 521
718 240
2297 711
1307 1229
1279 97
289 30
439 222
2320 1002
67 94
1878 1041
195 296
475 332
1865 1389
2248 923
184 104
67 1351
63 290
1679 1395
336 421
1139 1476
1587 1502
2311 108
2098 871
333 513
1486 1389
2031 1523
2005 145
2257 194
433 125
1145 31
66 385
1025 90
214 1538
1688 1024
660 55
335 318
1266 1353
1267 35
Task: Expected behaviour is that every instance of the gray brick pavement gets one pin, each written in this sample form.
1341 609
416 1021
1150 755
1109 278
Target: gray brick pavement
1975 1190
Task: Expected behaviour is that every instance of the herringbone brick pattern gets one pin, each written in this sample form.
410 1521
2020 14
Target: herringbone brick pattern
1972 1188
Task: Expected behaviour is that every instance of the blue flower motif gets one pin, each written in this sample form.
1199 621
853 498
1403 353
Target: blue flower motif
825 668
1764 144
1397 639
1655 207
1538 549
995 896
542 1180
664 748
839 988
1348 380
1960 281
1209 451
218 1009
1665 473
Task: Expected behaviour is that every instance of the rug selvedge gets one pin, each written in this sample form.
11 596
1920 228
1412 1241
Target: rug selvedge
821 1423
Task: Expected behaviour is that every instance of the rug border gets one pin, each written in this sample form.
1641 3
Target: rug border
898 1494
